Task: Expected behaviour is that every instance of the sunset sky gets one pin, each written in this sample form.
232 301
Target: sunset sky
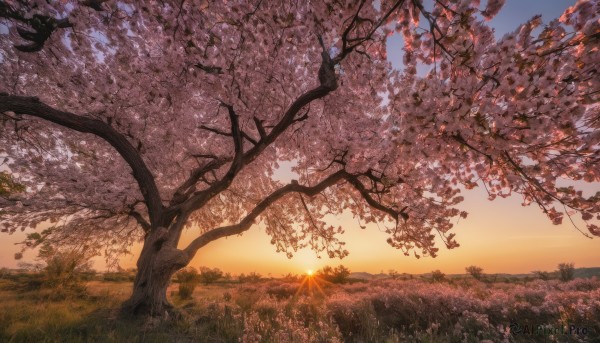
499 236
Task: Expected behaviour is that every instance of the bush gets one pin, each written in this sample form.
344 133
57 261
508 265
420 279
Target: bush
186 289
252 277
437 276
4 273
121 276
188 280
208 275
475 272
66 268
542 275
566 271
338 274
282 290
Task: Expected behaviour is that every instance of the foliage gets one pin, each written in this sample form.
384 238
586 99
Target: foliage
119 276
65 269
475 271
188 280
208 275
283 290
8 186
542 275
438 276
289 277
566 271
251 277
380 311
338 274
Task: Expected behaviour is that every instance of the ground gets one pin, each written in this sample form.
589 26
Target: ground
410 310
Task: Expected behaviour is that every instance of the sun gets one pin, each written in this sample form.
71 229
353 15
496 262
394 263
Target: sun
309 272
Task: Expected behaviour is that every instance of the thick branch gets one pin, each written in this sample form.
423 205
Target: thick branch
209 69
33 107
353 180
248 220
140 220
41 27
202 197
223 133
182 201
238 144
183 191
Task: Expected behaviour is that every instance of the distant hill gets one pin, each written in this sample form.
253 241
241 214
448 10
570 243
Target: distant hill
579 273
587 272
367 276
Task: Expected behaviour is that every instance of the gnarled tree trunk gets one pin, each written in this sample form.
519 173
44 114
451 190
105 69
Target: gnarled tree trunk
157 263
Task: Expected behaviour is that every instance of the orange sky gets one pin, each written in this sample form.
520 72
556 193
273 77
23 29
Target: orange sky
499 236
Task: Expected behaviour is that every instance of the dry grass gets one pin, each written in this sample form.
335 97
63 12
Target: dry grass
275 311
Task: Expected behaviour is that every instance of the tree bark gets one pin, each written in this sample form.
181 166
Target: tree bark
157 263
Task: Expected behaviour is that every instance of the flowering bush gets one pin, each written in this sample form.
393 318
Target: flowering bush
394 310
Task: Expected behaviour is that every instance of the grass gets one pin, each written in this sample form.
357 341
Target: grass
40 316
271 311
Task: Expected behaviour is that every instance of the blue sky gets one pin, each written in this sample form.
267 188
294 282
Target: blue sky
514 13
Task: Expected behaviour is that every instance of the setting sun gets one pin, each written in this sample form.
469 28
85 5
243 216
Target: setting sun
309 272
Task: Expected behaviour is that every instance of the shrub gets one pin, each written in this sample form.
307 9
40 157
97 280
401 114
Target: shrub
188 280
437 276
475 271
252 277
186 289
542 275
338 274
4 273
121 276
282 290
65 268
208 275
566 271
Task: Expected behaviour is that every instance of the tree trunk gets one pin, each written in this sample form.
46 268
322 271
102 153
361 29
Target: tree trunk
157 263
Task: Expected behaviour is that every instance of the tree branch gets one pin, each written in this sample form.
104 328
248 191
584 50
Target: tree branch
346 49
238 144
260 128
202 197
223 133
138 217
42 27
353 180
33 107
248 220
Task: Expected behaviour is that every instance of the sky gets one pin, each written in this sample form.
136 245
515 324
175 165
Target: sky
501 236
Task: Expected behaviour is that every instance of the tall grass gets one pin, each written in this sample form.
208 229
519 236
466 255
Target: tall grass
278 311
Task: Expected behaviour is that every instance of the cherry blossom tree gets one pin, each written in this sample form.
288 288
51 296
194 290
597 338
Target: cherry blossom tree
133 120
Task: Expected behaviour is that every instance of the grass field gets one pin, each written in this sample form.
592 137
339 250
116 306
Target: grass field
312 311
